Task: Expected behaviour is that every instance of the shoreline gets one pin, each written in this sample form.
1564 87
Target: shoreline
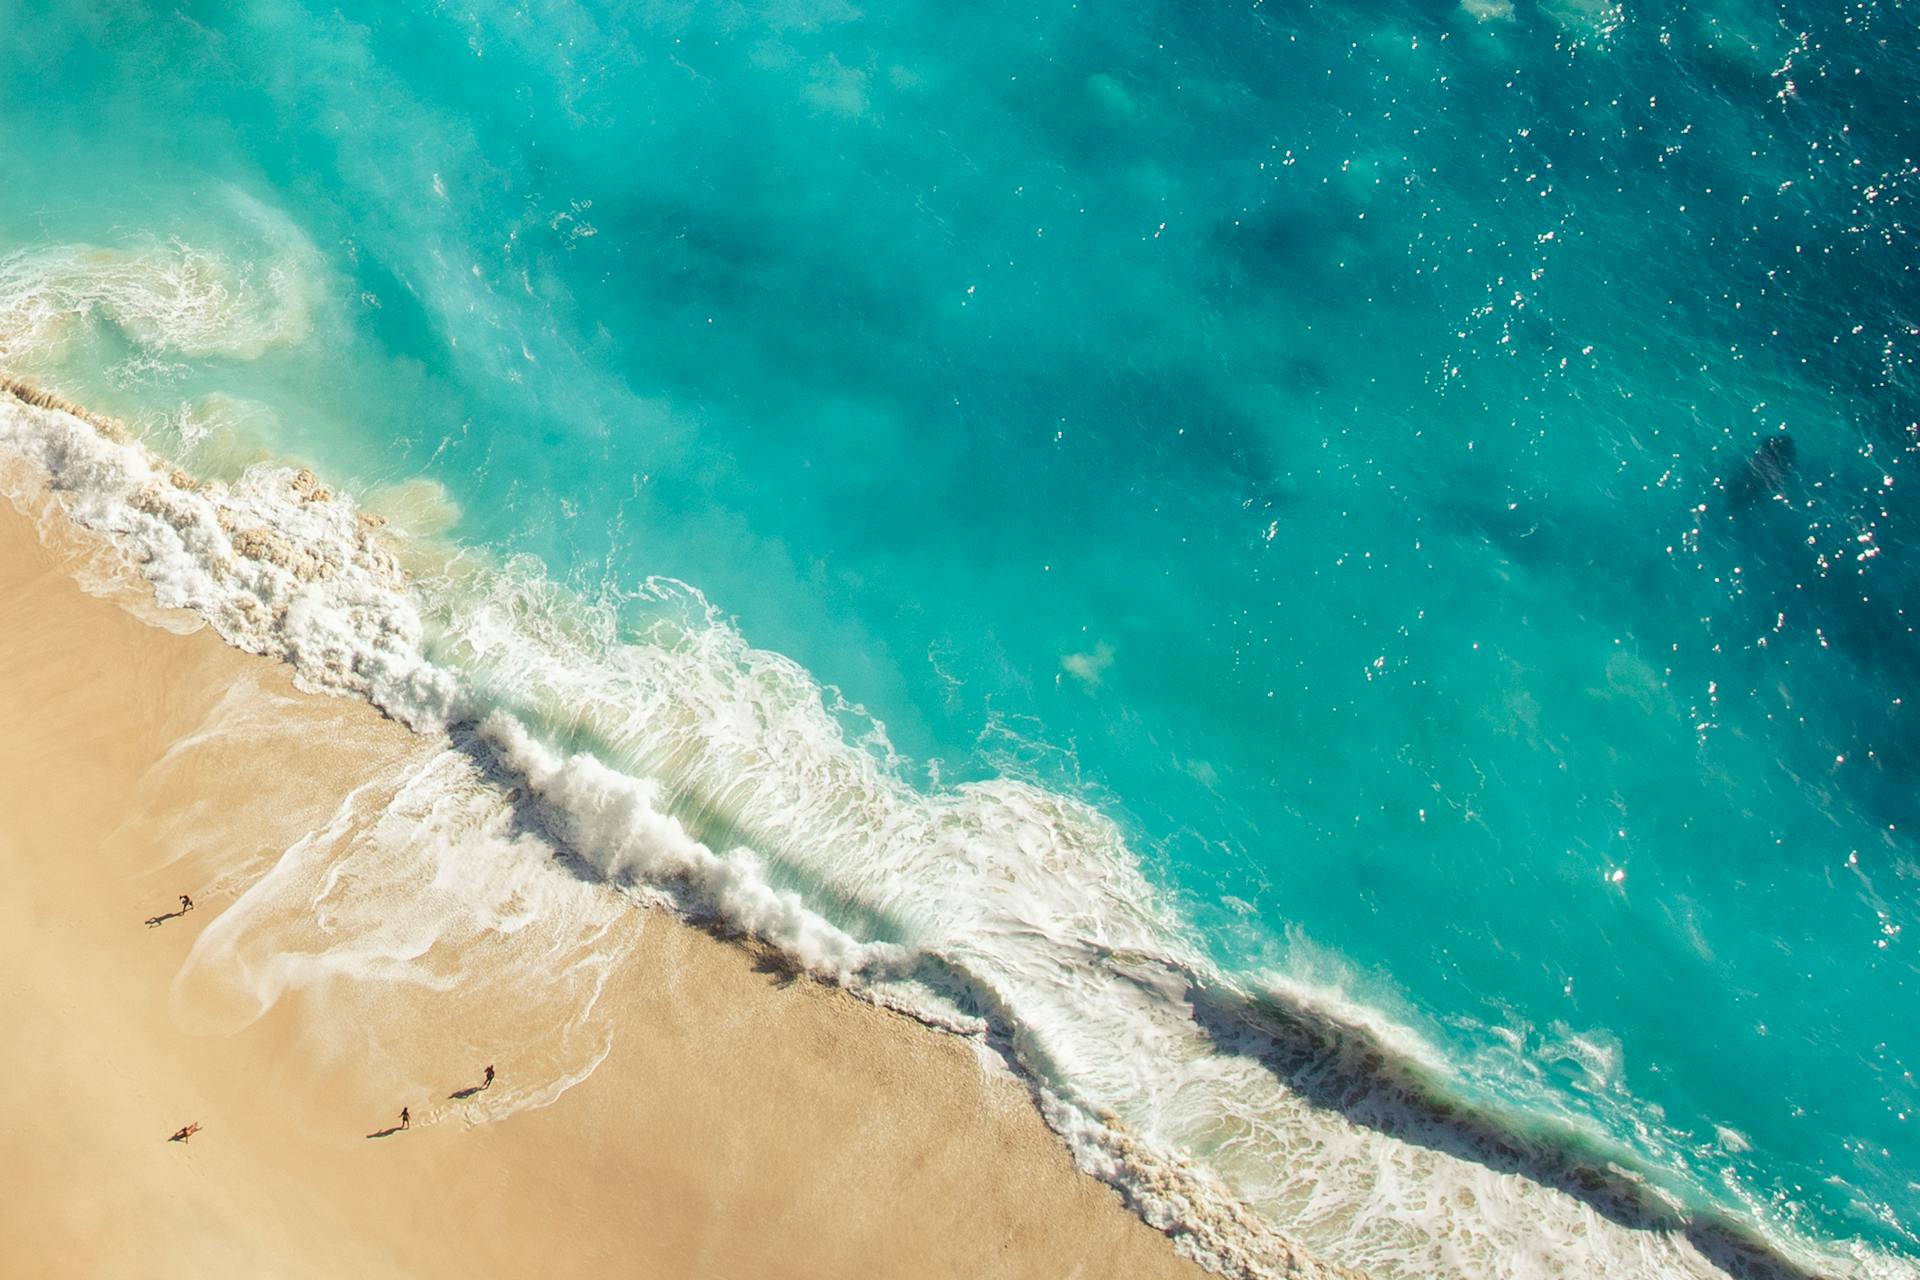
455 891
738 1121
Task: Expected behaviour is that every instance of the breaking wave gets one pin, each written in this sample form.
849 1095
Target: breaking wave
1261 1123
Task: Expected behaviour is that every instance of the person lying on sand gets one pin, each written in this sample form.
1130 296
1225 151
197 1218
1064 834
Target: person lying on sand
185 1133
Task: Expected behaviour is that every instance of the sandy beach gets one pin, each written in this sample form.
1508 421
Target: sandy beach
736 1122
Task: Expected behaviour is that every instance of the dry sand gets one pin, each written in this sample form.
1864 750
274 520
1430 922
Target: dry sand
741 1125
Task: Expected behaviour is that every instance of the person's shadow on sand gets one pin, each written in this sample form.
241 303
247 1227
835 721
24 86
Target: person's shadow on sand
385 1133
461 1095
186 905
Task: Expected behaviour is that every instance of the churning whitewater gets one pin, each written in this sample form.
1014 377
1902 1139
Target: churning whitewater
1262 1127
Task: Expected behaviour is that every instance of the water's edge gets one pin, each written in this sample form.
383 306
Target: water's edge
724 894
281 567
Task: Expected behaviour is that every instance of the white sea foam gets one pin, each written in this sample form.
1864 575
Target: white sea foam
419 890
167 298
215 436
273 562
661 749
617 823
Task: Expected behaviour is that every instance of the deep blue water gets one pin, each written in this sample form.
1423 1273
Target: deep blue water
1318 433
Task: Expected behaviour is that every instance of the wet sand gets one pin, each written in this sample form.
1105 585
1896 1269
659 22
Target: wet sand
740 1124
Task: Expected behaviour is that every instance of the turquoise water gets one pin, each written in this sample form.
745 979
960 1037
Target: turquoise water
1318 435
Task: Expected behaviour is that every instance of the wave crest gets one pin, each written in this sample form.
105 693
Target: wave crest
645 734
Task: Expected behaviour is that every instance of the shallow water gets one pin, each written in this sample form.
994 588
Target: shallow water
1280 476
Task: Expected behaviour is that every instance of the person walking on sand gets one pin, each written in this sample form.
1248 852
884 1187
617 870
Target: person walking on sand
186 904
406 1118
487 1083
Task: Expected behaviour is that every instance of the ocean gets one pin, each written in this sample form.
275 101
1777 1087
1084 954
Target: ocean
1329 581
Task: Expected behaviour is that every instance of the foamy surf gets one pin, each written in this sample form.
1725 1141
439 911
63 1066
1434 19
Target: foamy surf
670 758
167 299
420 890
